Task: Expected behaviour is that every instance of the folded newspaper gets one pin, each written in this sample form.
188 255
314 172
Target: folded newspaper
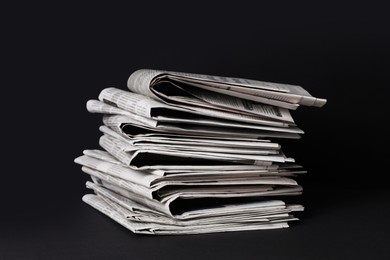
186 153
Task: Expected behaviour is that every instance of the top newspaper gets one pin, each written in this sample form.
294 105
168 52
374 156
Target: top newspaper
153 83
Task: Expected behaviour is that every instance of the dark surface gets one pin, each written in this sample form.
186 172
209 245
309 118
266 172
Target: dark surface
59 56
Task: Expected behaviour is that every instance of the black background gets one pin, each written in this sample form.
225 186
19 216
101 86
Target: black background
57 56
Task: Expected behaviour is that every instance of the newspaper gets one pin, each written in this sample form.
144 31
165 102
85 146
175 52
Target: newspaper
131 155
115 126
228 214
188 170
155 182
217 183
95 106
178 209
168 204
192 144
146 82
149 108
133 127
164 229
196 141
249 212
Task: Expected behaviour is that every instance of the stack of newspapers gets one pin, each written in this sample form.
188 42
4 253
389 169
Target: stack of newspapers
187 153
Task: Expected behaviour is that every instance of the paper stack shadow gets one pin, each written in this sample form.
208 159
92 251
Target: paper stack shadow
187 153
